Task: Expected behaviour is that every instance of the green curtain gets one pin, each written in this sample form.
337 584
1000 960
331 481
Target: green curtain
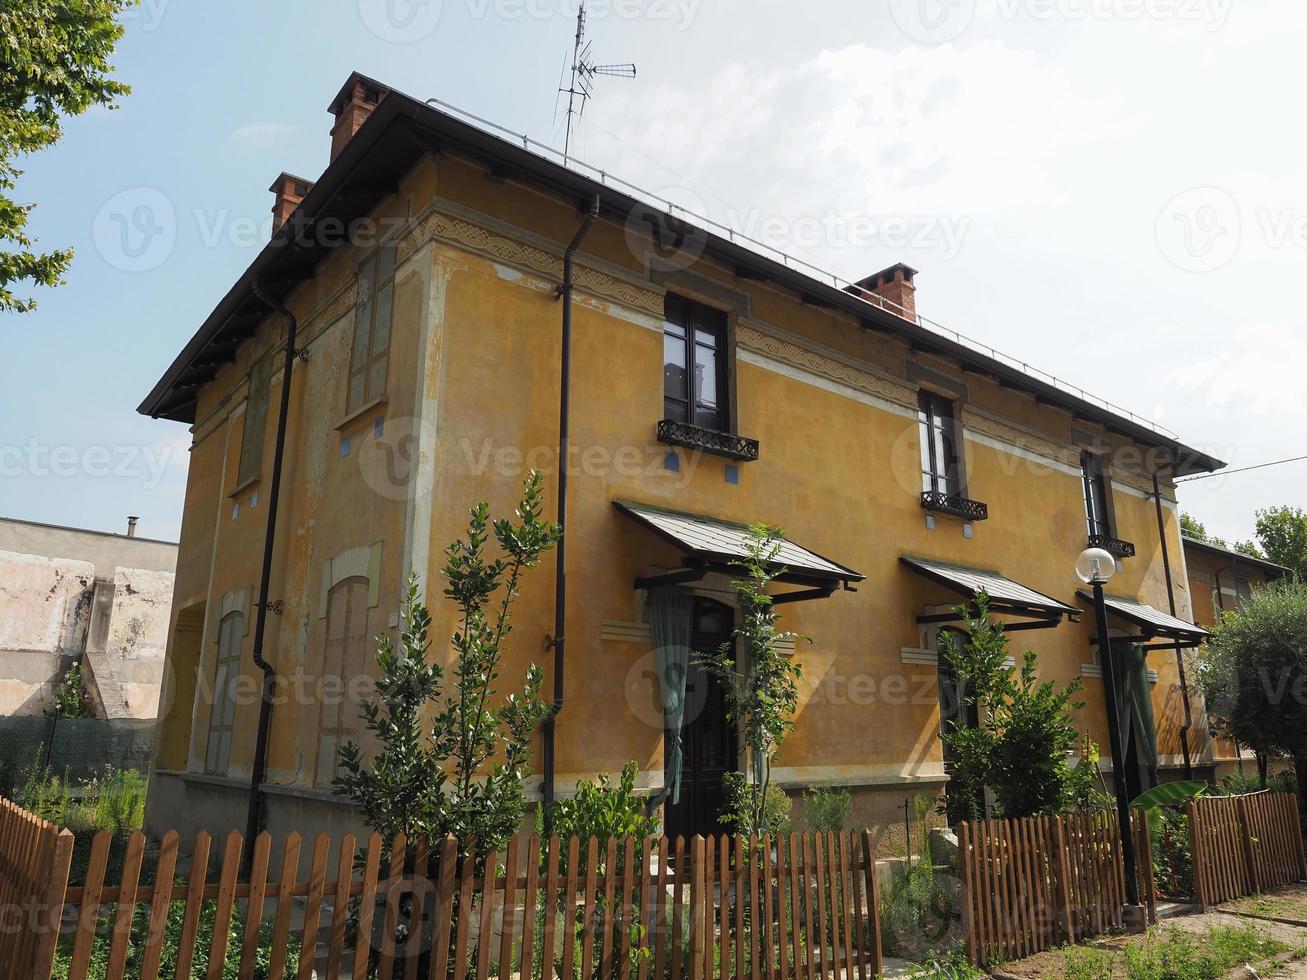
1134 707
672 611
1145 727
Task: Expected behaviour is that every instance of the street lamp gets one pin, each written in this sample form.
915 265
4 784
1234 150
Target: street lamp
1095 567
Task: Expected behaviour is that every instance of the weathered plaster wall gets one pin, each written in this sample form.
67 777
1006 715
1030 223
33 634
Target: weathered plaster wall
101 598
45 610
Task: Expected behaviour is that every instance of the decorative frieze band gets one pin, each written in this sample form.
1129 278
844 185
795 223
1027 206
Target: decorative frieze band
828 367
474 238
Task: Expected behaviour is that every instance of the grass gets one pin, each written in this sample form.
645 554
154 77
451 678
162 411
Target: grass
1172 953
1289 903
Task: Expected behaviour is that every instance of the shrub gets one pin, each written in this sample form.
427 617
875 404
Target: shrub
826 809
759 684
1172 852
463 771
945 966
746 812
1026 732
600 810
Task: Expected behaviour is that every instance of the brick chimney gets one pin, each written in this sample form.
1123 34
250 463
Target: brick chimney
895 285
131 526
351 107
289 190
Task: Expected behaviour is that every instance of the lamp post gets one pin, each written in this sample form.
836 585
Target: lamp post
1095 568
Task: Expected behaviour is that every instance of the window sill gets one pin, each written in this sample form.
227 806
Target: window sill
707 440
362 410
1113 546
954 506
242 487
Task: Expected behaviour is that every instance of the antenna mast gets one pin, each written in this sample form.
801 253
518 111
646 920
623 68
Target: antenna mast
584 72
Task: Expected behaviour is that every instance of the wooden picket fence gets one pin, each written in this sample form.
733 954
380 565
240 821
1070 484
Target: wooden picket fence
1244 844
801 906
1037 882
34 861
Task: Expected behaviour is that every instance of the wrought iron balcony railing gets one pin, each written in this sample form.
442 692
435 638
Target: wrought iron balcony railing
946 503
707 440
1114 546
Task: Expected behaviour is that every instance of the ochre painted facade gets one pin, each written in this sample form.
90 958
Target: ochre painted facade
1218 580
471 403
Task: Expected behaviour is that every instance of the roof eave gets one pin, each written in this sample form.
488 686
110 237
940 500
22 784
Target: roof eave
528 166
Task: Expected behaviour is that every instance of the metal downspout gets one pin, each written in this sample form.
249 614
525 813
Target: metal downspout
1179 653
558 640
261 617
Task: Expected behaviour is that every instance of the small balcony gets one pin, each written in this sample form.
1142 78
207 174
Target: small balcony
954 506
1113 546
707 440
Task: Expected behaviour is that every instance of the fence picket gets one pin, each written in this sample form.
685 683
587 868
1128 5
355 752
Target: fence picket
89 913
367 907
313 906
339 907
417 907
526 961
508 914
290 863
125 909
53 907
551 908
488 889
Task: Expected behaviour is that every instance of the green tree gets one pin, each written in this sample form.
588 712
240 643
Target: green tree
1282 533
463 773
54 62
760 686
1020 749
1192 527
1253 675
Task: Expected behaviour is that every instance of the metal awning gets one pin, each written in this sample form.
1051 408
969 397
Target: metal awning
1006 597
710 544
1152 622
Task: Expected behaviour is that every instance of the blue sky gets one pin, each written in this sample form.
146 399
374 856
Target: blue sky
1106 188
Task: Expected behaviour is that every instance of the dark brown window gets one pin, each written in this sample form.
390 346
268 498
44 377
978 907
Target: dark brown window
1097 515
940 468
695 375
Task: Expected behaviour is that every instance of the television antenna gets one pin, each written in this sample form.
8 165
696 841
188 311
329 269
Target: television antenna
584 73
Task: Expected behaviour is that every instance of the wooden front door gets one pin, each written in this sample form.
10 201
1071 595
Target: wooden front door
707 737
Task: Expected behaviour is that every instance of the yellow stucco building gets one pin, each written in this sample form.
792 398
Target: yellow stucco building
711 384
1219 579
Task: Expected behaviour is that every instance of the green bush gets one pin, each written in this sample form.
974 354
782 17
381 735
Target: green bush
599 810
826 809
738 812
172 945
1172 852
1087 963
945 966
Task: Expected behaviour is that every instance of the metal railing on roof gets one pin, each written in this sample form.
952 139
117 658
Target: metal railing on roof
554 155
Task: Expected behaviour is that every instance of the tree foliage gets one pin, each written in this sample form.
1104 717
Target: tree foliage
1282 533
463 772
1195 529
1254 674
759 682
1020 751
54 62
